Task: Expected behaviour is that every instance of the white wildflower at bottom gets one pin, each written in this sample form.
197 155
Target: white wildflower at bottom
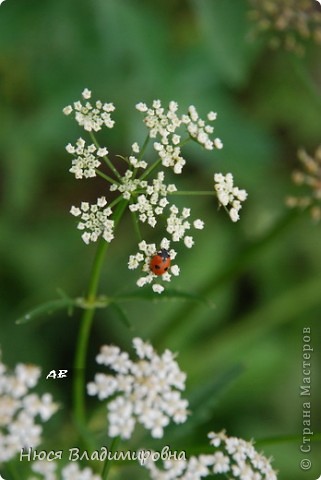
233 457
229 197
94 220
146 391
143 259
72 471
19 410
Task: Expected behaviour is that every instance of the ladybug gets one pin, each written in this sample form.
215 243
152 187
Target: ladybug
160 262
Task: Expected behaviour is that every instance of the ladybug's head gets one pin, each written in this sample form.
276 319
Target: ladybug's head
164 254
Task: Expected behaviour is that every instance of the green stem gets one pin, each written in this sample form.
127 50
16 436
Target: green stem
193 192
142 151
107 159
13 471
151 168
136 226
108 461
83 336
106 177
86 323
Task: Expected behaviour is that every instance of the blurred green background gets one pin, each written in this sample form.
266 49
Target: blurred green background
244 356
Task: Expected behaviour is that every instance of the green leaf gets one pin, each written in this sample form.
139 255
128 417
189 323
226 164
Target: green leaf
168 294
122 315
47 308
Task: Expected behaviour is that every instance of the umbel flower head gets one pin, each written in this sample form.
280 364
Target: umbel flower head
288 23
144 184
21 410
310 178
146 391
228 195
233 457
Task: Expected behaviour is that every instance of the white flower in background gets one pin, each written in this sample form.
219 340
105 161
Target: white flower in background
288 24
94 220
234 458
20 411
146 391
86 162
91 117
309 177
143 259
229 197
72 471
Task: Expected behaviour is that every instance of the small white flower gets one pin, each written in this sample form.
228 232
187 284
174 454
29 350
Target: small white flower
102 152
228 195
198 224
157 288
85 162
86 94
146 391
135 147
223 461
128 184
188 241
141 107
20 410
67 110
200 130
218 143
94 220
212 116
91 116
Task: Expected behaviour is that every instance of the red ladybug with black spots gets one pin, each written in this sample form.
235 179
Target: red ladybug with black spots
160 262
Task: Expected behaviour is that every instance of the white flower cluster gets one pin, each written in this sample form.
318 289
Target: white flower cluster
228 195
19 410
146 391
178 224
200 130
152 203
143 186
72 471
288 24
94 220
91 117
85 163
143 259
234 458
164 123
128 185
